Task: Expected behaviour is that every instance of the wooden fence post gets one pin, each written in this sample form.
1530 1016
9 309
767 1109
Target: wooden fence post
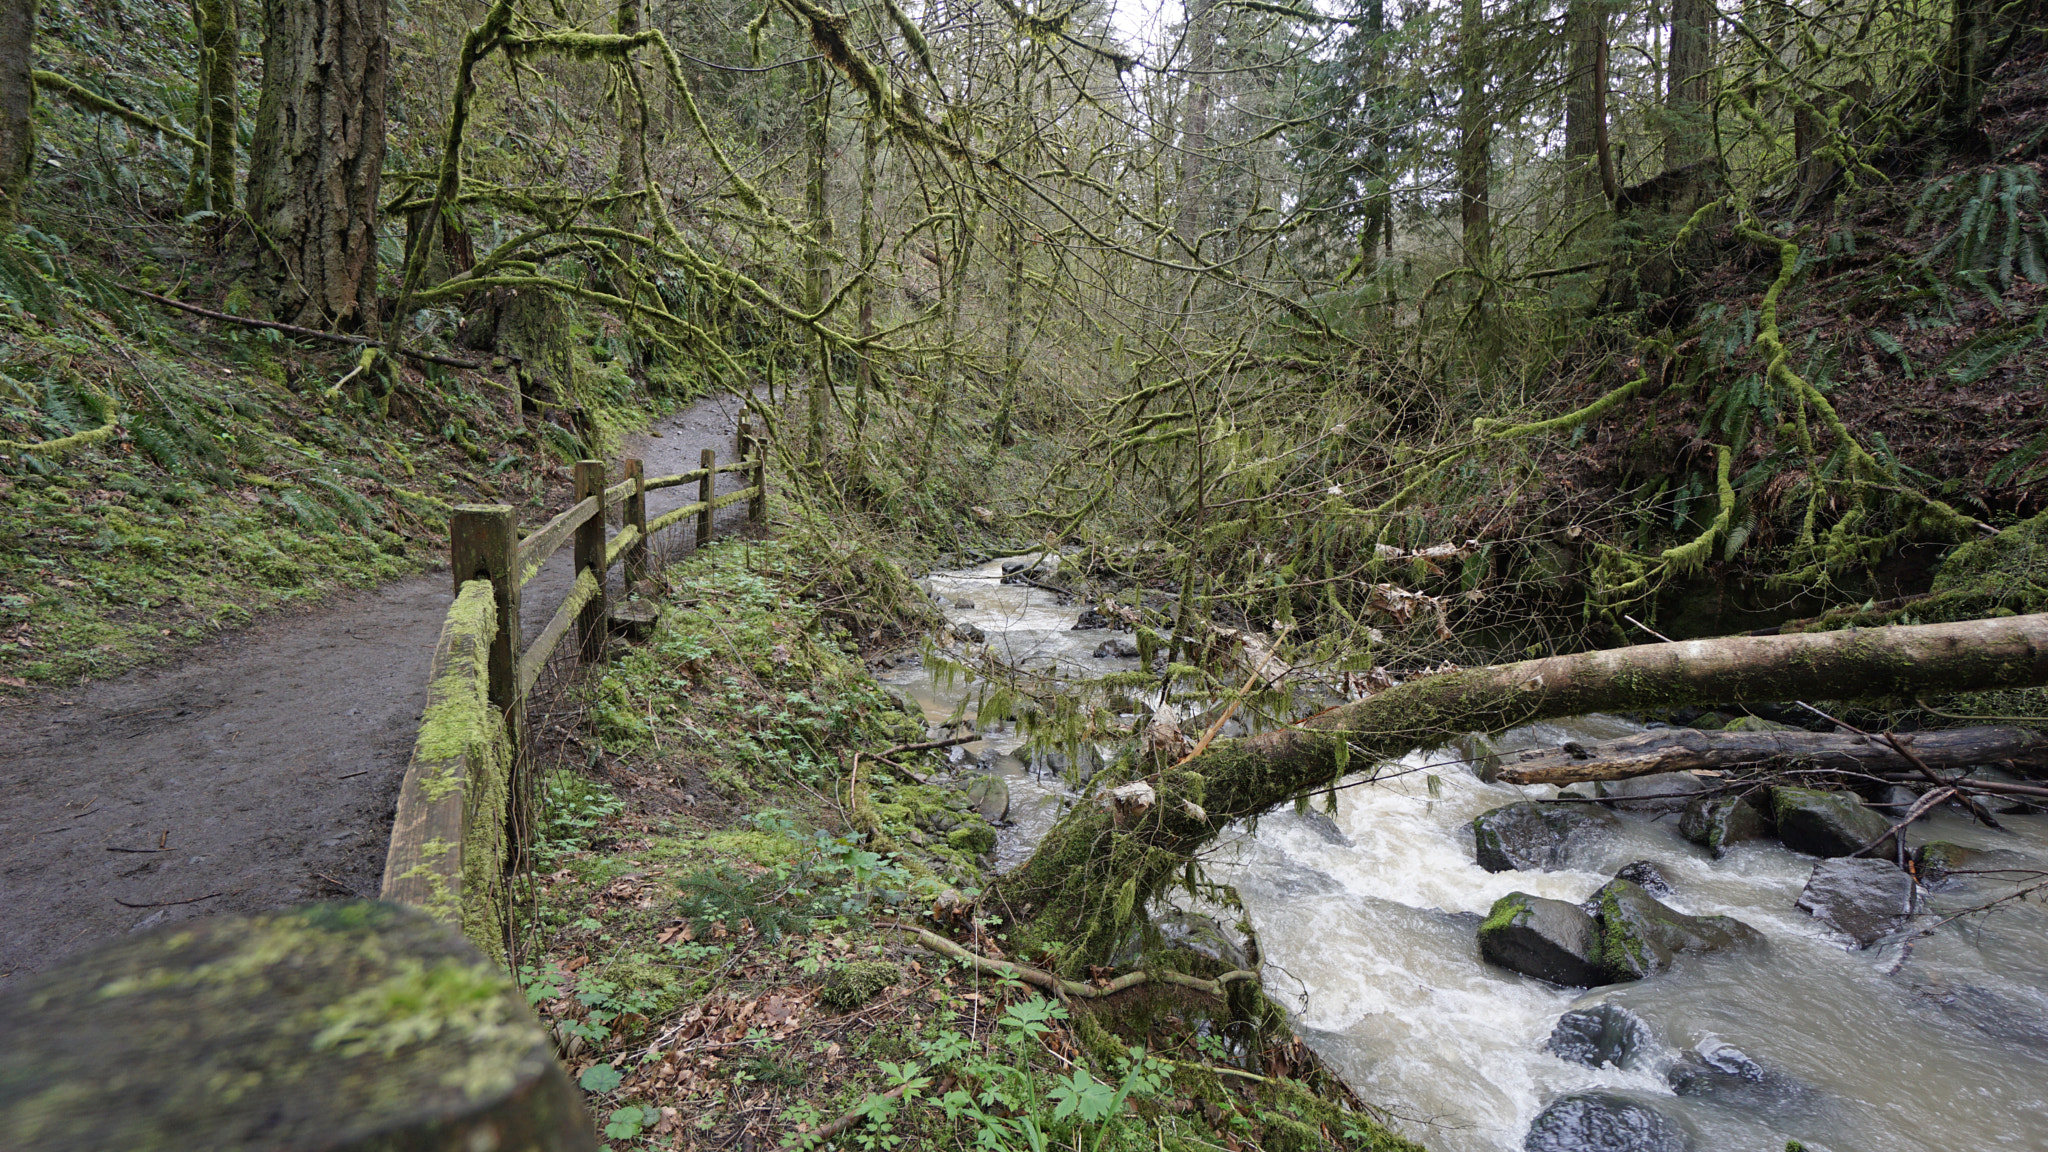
705 487
636 517
483 544
590 623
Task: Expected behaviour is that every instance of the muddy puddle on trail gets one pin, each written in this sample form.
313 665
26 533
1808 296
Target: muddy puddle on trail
1367 924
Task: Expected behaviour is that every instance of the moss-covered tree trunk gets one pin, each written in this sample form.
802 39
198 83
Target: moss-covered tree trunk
17 103
218 107
817 252
318 155
1097 868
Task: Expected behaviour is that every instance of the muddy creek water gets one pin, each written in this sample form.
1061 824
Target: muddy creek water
1367 928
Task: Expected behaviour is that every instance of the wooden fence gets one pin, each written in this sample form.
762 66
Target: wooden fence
462 810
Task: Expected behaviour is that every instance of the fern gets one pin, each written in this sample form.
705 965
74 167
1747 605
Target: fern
2007 472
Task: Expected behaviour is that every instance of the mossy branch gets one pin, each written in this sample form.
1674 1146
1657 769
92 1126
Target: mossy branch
92 100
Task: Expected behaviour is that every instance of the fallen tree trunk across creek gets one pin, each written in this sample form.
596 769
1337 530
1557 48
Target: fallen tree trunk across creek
1096 869
1686 749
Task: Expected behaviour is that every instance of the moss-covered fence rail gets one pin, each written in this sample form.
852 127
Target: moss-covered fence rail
462 810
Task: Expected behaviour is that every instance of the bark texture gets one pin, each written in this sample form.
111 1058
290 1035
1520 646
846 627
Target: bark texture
1096 869
17 103
1685 749
1685 105
220 44
1475 137
318 155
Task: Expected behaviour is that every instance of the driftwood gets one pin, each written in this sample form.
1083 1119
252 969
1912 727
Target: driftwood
1686 749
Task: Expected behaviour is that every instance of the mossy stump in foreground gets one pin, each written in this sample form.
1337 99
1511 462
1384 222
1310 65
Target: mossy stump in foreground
355 1025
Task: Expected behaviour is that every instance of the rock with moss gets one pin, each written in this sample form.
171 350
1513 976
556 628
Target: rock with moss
1937 861
1535 837
1824 823
351 1025
990 796
1862 898
1640 935
852 983
1716 822
1548 939
975 839
1756 724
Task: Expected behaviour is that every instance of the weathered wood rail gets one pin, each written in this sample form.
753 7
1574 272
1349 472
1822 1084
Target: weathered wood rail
463 809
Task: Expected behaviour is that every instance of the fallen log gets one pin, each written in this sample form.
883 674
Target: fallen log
1688 749
1089 879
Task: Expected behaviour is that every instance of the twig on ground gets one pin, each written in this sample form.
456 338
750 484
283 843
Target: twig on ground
168 903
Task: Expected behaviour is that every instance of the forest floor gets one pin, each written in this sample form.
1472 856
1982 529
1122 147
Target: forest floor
258 770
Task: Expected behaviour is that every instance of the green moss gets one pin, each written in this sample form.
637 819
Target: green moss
1505 911
977 839
851 983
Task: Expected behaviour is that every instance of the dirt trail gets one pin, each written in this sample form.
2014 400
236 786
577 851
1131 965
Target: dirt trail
260 771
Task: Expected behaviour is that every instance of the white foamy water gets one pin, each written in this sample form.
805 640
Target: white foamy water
1940 1046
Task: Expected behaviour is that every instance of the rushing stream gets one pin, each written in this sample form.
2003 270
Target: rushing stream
1368 933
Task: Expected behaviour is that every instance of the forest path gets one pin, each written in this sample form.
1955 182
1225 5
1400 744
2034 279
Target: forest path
263 769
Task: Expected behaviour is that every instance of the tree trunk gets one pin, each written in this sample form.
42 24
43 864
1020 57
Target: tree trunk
318 157
632 121
1194 138
1475 137
870 249
218 108
1097 868
1685 104
17 104
1686 749
817 268
1970 46
1585 109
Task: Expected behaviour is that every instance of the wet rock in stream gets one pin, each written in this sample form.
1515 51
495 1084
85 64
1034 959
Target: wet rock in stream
1715 822
1603 1034
1648 874
1649 795
1091 618
1861 898
1621 933
1821 823
1117 648
1600 1122
1326 829
1535 837
1721 1072
1641 936
990 796
1548 939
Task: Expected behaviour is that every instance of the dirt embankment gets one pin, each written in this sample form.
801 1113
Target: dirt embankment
257 772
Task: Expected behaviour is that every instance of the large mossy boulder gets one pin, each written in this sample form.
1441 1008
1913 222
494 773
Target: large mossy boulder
1715 822
1823 823
1641 936
1599 1122
343 1026
1548 939
1532 837
1862 898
